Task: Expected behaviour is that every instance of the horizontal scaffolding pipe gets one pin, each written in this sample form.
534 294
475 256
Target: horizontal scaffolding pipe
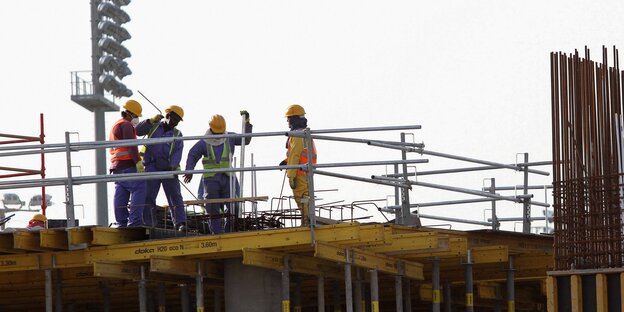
355 178
467 169
366 141
479 161
520 219
446 203
454 220
520 187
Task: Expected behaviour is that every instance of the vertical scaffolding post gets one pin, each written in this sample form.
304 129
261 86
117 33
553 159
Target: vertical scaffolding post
297 296
398 291
469 283
310 176
448 297
242 165
397 198
142 291
199 287
357 296
526 203
320 290
286 286
348 283
48 290
185 299
44 202
511 292
435 285
495 223
407 294
162 297
69 187
374 290
404 216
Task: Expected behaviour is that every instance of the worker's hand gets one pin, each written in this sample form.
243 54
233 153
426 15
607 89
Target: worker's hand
246 114
188 177
292 182
156 118
283 163
140 167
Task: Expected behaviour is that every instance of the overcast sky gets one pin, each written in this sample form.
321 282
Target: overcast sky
474 74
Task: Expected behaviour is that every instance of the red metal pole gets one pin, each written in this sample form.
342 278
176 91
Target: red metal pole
42 141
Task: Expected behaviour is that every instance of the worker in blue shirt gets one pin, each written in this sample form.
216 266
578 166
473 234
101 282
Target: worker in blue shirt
215 153
163 157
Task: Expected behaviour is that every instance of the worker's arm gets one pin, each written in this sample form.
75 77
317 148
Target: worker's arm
296 147
197 151
239 141
143 127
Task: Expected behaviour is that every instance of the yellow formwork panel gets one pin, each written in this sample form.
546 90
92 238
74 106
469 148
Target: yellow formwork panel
6 244
54 239
129 271
448 247
576 293
490 254
79 237
406 243
602 304
27 240
185 267
109 236
370 260
297 263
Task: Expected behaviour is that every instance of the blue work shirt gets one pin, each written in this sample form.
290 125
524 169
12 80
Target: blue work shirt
161 156
200 149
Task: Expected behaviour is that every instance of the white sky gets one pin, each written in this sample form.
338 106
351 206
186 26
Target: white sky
474 74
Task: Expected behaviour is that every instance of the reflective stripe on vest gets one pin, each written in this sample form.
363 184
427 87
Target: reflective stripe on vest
210 162
303 158
118 153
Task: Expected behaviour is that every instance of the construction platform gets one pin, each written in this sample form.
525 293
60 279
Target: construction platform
384 267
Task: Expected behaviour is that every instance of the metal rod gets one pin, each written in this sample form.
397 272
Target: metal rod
142 291
479 161
48 290
69 187
435 285
407 294
374 289
467 169
398 292
320 292
511 292
454 220
495 223
526 203
519 187
148 100
310 177
469 282
348 285
286 285
349 177
199 287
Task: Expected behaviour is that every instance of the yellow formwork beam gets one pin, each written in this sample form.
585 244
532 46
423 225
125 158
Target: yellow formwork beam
297 263
185 267
6 244
110 236
370 260
27 240
130 271
490 254
448 247
79 237
576 293
406 243
54 238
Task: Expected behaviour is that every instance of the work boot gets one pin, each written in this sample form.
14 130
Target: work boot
182 227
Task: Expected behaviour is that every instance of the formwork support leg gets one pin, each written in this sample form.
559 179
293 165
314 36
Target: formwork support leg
336 305
398 291
142 291
162 297
435 285
407 294
448 297
320 290
576 292
297 296
602 304
374 290
58 290
199 288
48 290
185 298
106 296
357 296
348 286
511 291
286 286
469 283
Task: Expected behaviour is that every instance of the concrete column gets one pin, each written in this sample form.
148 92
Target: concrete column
259 287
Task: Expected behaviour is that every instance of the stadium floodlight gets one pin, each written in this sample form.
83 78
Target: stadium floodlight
116 88
112 11
119 33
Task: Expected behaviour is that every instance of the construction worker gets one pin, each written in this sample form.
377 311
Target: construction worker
164 157
298 153
216 153
37 222
124 160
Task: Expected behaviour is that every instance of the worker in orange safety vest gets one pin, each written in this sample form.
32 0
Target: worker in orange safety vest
298 153
124 159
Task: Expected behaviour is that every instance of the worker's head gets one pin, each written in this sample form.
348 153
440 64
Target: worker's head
295 115
132 111
175 114
217 124
37 220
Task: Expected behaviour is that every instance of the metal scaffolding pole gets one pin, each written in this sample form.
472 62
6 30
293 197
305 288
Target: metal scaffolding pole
286 285
469 282
435 285
526 203
374 290
398 292
348 285
199 287
142 291
48 290
495 223
320 291
69 187
511 292
448 297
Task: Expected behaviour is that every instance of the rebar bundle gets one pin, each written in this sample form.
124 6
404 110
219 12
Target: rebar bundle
587 161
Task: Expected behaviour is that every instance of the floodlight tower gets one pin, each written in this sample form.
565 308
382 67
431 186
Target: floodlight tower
108 67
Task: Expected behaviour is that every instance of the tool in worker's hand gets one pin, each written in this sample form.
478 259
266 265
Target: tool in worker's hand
145 97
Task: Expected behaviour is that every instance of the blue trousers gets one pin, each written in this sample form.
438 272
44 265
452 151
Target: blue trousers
217 186
174 198
133 191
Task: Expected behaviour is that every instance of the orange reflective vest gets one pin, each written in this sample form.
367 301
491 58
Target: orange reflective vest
303 158
119 153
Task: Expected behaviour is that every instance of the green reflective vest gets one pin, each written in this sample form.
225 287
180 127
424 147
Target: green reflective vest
210 161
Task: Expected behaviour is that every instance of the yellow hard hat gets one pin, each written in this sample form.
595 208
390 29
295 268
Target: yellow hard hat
133 107
217 124
176 109
295 110
39 217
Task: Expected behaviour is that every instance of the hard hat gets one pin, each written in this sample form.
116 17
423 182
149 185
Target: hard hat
217 124
295 110
133 107
176 109
39 217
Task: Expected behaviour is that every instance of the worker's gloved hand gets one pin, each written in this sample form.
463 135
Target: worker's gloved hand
283 163
156 118
188 177
292 182
140 167
246 114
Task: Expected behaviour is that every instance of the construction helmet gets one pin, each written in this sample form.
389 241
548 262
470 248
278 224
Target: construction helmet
176 109
133 107
39 217
295 110
217 124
